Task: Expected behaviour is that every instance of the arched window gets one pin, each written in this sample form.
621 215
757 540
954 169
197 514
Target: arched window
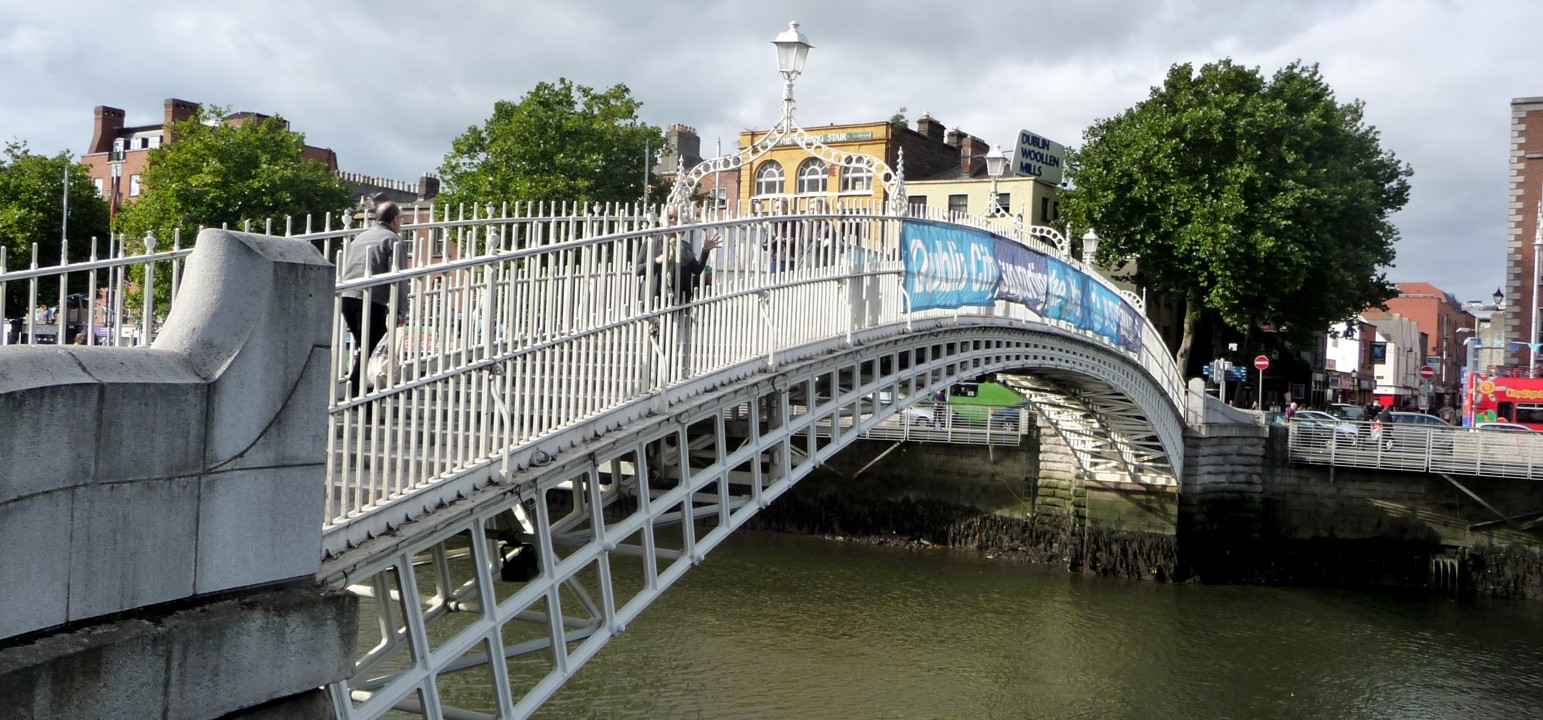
768 178
811 176
856 176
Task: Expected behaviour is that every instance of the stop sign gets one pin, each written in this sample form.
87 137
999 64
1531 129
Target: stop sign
1262 362
1427 372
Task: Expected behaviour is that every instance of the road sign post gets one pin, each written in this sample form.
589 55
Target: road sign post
1262 363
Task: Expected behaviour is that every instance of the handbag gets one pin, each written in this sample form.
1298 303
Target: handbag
379 364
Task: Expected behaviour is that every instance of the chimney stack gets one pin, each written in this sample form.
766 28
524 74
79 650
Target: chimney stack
176 111
929 127
972 152
106 124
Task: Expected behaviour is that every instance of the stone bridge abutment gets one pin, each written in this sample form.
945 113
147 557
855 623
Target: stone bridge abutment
161 508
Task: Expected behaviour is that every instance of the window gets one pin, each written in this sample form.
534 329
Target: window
134 185
1055 211
812 176
1005 202
768 179
98 183
155 141
720 198
959 204
917 202
856 176
1044 211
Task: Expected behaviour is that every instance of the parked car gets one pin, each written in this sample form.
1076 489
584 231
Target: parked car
1348 412
1006 418
1505 427
1319 428
1412 431
923 414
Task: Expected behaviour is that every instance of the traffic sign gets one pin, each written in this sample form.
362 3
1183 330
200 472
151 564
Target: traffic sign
1262 362
1427 372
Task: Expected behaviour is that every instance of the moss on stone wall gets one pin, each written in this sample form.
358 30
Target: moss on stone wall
1053 535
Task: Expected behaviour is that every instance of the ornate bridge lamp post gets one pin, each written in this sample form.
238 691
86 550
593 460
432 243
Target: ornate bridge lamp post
792 50
1089 247
996 169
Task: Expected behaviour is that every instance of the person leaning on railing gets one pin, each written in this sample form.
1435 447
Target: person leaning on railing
671 257
371 253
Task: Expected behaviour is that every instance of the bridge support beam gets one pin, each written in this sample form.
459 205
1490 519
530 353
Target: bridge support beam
140 484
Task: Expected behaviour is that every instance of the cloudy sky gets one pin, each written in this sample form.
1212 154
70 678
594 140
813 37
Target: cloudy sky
388 84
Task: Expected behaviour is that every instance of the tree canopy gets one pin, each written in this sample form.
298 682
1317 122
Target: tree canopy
31 211
215 172
562 142
31 203
1255 199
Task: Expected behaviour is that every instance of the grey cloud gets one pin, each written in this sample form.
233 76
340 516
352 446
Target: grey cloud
389 83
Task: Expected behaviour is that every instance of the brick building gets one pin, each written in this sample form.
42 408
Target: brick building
1439 316
683 149
127 148
1526 194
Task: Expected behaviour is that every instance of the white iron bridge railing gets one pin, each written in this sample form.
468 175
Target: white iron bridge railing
509 325
1417 448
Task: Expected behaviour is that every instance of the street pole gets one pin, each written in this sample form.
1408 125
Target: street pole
1532 293
64 223
1223 363
1261 389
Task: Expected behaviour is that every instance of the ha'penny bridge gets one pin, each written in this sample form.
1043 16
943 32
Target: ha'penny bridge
540 450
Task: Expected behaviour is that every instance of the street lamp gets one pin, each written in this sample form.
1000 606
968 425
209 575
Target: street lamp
1532 295
1089 247
1497 329
996 167
792 49
1470 347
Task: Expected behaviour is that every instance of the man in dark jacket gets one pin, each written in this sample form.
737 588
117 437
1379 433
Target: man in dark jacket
372 253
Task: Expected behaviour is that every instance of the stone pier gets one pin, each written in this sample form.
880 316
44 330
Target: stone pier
161 507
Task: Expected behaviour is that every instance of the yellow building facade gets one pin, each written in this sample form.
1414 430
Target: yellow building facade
944 170
790 174
1038 202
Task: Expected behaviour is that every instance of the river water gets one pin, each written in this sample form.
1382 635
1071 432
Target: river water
785 626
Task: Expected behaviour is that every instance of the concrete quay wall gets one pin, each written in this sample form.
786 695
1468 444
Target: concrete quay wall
1243 513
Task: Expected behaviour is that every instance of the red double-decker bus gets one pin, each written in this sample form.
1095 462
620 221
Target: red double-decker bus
1502 398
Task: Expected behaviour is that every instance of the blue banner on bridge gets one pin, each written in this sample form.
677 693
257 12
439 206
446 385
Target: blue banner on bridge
947 266
1024 278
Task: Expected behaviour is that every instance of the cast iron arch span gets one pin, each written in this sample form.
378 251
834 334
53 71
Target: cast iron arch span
612 521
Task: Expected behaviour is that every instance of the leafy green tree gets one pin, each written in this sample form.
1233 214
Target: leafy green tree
31 211
1253 199
213 172
562 142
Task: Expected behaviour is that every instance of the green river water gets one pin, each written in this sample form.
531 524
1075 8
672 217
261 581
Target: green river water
785 626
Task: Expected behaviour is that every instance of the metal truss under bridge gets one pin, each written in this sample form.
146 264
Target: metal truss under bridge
558 432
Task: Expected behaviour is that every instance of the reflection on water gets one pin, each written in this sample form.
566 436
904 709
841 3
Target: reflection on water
781 626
